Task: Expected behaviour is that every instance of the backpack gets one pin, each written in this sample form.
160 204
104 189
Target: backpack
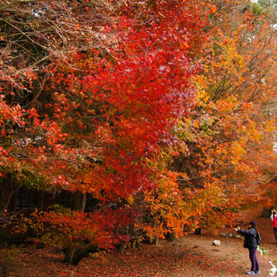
258 238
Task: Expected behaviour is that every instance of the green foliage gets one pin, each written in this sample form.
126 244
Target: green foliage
275 262
257 9
264 251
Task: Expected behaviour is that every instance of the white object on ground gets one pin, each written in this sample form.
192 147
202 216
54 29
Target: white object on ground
273 270
216 242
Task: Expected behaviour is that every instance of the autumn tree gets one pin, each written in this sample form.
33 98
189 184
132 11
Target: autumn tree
32 34
228 139
100 103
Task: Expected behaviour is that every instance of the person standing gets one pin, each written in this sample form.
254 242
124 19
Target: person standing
250 242
274 223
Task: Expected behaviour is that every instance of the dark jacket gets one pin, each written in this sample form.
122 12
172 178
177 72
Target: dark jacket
250 238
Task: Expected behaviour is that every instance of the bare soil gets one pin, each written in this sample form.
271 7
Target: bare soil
191 256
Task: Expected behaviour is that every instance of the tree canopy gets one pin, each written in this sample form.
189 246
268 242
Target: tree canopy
163 111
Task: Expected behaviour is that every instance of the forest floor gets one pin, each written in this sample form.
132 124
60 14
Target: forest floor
197 256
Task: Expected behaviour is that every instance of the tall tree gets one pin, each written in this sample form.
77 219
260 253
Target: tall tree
229 138
106 112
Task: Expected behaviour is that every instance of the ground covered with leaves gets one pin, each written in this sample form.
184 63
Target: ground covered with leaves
196 256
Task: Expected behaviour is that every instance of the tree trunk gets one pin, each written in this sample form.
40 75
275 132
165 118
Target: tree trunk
74 256
197 231
78 201
266 213
170 236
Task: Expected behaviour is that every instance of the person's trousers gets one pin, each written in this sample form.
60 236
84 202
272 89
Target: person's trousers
253 258
275 234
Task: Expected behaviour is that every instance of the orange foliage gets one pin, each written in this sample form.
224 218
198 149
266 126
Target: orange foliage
170 120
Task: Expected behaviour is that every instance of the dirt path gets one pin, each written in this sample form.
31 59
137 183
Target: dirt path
232 250
232 253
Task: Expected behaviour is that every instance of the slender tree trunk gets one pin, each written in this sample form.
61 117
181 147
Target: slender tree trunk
266 213
78 201
75 255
